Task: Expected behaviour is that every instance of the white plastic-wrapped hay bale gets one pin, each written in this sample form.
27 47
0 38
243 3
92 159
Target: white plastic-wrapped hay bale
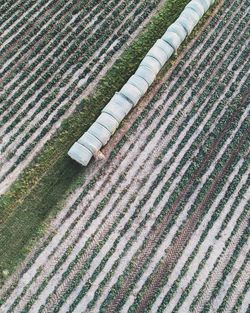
80 154
117 111
108 121
152 63
100 132
178 29
121 101
131 92
90 142
189 19
139 82
146 73
166 47
206 4
157 53
191 15
196 6
172 39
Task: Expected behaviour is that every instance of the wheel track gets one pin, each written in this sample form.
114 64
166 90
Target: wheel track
180 241
166 242
195 290
157 232
173 296
213 279
182 216
138 162
168 174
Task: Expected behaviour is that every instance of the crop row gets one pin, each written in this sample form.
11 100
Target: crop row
110 274
237 238
60 45
55 42
46 103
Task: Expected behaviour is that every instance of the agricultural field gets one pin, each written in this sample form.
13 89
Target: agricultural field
162 223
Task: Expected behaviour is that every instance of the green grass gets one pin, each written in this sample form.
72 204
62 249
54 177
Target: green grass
40 190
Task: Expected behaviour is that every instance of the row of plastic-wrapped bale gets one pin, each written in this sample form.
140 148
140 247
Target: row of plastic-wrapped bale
124 100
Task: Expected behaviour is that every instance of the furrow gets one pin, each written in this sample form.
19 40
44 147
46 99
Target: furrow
39 17
56 60
193 290
9 21
46 50
243 302
13 28
10 132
